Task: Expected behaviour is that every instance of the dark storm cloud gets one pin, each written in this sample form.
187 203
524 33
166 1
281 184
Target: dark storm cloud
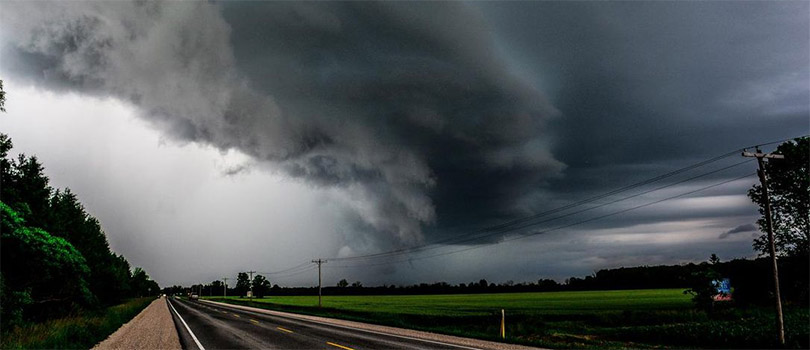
739 229
646 82
648 87
405 108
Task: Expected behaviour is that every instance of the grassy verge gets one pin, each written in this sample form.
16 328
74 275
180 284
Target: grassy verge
75 332
594 319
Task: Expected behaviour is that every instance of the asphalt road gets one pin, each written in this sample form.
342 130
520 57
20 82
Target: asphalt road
206 326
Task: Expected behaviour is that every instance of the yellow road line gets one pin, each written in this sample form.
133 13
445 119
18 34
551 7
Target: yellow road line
254 321
339 346
235 315
284 329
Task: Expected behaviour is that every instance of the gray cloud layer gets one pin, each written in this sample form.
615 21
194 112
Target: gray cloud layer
406 109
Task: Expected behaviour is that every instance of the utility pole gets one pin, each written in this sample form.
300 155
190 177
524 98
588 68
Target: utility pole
319 262
251 285
763 179
225 287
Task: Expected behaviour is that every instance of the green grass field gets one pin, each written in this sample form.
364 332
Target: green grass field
590 319
485 304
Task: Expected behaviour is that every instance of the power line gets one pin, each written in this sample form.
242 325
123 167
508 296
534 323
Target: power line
553 229
555 210
283 276
526 224
299 266
513 224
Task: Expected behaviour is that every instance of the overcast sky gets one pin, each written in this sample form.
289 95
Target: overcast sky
211 138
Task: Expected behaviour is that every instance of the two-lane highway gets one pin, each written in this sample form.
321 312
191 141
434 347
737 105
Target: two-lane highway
214 326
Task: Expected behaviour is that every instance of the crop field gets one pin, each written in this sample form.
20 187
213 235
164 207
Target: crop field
485 304
589 319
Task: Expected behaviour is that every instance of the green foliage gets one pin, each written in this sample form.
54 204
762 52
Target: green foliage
40 272
12 303
142 285
110 276
55 256
749 329
261 286
74 332
26 189
242 284
789 190
343 283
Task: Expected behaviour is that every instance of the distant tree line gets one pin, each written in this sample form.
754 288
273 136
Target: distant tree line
749 278
55 256
260 286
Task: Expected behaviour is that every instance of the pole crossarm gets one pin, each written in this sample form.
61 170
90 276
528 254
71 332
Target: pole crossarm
763 155
319 262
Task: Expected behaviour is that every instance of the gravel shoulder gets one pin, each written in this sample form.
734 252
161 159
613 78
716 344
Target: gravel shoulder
474 343
153 328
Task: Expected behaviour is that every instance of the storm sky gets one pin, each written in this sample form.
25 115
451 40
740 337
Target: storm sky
211 138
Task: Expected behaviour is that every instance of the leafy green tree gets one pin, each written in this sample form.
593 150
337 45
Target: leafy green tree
242 284
343 283
142 285
110 274
789 190
41 274
55 256
261 286
26 189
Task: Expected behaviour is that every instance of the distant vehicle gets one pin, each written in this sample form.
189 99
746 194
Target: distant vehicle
195 297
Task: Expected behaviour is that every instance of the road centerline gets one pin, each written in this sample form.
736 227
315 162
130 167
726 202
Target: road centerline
284 329
303 318
339 346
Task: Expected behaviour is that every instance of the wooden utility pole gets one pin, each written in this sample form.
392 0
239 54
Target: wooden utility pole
225 287
250 298
319 262
763 179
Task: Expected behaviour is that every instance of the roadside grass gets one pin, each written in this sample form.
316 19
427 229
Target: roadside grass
81 331
650 318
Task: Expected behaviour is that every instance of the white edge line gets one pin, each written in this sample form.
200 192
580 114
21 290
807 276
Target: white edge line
351 328
185 324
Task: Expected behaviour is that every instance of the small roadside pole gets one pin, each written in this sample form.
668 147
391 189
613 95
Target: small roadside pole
763 179
503 324
250 295
319 262
225 287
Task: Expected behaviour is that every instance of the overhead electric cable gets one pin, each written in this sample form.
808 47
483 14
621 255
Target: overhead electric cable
550 230
510 225
527 223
